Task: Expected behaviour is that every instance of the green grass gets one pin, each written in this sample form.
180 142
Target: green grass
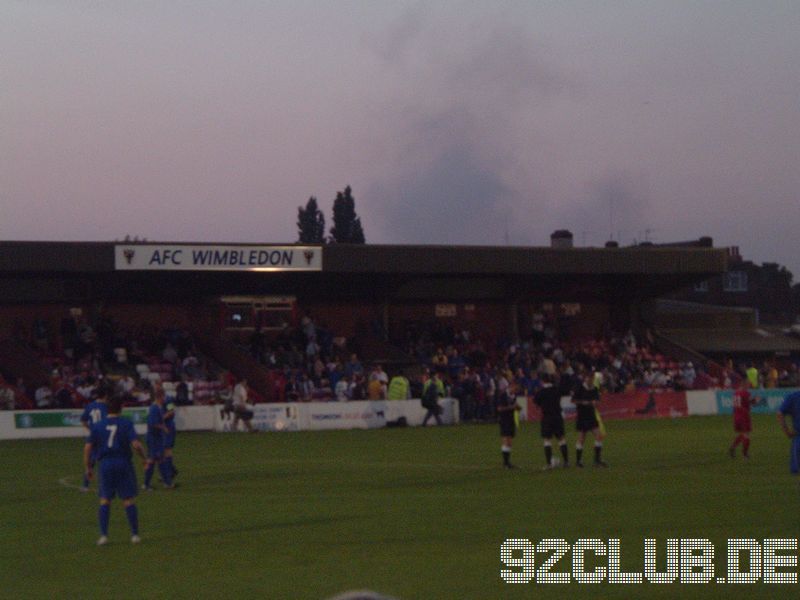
415 513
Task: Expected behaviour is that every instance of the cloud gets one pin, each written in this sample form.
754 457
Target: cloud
616 206
456 199
456 127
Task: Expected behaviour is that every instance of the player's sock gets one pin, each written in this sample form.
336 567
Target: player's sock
598 449
794 456
578 454
746 447
548 454
737 441
506 455
148 474
103 515
133 518
85 483
166 472
564 452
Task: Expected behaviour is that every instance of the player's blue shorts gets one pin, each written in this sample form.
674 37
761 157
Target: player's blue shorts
794 458
117 477
155 446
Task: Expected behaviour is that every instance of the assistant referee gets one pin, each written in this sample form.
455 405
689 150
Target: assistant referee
548 399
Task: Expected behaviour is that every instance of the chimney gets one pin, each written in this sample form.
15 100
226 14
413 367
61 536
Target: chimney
561 238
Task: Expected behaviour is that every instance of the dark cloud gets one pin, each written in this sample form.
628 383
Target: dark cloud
456 141
507 65
615 207
393 43
456 199
518 117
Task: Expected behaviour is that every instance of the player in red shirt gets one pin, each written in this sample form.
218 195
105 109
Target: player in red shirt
742 424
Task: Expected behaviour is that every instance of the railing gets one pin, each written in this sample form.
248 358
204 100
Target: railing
241 364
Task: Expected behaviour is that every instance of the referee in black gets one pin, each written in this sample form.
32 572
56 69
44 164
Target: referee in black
548 399
586 397
506 406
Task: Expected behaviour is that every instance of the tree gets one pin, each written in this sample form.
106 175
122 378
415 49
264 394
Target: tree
310 223
346 225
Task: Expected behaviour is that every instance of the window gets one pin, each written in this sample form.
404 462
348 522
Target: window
701 286
257 312
735 281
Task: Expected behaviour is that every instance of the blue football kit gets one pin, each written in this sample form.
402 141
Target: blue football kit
93 413
169 422
155 434
156 438
111 439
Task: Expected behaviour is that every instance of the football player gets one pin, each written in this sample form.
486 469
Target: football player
113 440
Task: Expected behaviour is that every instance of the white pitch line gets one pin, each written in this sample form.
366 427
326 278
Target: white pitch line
65 482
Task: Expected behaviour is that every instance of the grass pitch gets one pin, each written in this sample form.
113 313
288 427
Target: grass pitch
413 513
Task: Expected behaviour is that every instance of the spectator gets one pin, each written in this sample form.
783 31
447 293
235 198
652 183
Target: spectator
399 387
305 387
378 383
242 411
182 394
375 390
44 397
85 389
169 354
358 388
770 375
291 389
688 375
322 392
455 364
439 360
353 367
342 389
7 396
308 327
430 397
191 367
125 384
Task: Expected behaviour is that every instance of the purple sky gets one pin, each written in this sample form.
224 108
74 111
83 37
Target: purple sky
454 122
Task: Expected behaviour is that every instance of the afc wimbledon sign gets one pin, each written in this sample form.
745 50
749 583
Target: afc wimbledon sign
158 257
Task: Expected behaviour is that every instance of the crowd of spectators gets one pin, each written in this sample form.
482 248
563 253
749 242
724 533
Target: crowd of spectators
84 355
310 363
476 371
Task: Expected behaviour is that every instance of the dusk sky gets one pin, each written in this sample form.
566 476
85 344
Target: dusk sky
454 122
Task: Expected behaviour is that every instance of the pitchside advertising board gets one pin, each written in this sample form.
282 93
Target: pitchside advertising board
57 423
67 418
190 257
266 417
360 414
643 404
308 416
771 400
